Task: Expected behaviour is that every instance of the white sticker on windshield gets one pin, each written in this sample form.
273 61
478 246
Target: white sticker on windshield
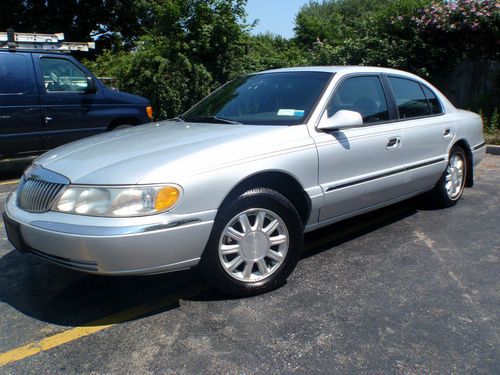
291 112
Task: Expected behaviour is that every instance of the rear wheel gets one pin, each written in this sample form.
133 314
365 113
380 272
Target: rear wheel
451 185
256 243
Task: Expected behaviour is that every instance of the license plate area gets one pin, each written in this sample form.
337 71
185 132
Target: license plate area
13 229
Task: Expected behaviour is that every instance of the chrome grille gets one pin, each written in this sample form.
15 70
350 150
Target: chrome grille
39 188
37 195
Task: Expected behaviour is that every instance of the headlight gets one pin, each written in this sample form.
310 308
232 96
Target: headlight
117 201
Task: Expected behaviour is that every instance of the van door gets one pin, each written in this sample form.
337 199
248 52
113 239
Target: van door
69 111
20 119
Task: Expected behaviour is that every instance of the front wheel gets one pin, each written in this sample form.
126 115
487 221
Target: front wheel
451 185
255 244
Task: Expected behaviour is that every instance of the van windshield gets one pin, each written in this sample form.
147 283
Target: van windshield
284 98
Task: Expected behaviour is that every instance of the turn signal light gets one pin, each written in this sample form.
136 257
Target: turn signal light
149 112
166 198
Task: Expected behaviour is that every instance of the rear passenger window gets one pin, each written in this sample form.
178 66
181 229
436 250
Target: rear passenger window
410 98
14 74
363 95
436 107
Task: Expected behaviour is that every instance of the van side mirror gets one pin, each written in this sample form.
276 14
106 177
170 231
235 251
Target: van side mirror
91 86
342 119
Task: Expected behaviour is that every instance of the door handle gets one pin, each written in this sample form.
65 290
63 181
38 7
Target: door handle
447 133
393 142
47 119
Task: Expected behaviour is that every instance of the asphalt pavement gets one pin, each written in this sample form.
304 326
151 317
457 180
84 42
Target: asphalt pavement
403 290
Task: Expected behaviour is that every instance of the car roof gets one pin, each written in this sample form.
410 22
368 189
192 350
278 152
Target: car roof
344 69
349 69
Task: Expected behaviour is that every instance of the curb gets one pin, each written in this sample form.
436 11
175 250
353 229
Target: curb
494 150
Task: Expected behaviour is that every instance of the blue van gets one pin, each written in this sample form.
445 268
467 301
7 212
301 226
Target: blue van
49 98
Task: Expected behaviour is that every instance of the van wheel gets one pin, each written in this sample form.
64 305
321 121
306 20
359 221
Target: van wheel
123 126
255 244
451 185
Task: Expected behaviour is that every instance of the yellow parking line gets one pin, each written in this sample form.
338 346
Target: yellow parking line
95 326
10 182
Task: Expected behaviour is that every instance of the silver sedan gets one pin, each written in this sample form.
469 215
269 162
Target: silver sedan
233 184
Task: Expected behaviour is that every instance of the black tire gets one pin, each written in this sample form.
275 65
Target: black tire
271 205
122 126
440 195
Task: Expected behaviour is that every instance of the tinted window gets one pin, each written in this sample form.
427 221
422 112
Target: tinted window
363 95
62 75
436 107
14 74
272 98
410 98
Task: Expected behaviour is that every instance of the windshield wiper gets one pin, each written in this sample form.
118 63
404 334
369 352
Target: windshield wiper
214 119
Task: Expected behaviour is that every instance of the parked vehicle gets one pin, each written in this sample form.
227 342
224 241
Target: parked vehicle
47 98
233 184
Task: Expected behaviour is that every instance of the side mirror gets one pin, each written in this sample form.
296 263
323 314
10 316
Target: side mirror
342 119
91 86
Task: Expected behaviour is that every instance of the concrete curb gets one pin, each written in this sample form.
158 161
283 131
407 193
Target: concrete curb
492 149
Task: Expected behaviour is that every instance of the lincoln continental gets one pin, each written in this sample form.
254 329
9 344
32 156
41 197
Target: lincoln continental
232 185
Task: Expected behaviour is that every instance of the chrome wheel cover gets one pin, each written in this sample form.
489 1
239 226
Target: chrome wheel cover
253 245
455 172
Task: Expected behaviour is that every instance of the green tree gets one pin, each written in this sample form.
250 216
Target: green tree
189 48
79 20
268 51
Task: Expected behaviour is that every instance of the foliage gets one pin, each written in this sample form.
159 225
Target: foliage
491 126
417 35
112 20
473 25
172 84
190 47
268 51
176 51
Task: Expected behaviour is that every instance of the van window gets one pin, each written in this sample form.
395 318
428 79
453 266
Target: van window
14 74
62 75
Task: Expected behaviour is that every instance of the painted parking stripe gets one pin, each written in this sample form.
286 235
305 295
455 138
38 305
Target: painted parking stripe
9 182
76 333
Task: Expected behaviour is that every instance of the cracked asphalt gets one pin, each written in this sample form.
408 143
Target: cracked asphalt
403 290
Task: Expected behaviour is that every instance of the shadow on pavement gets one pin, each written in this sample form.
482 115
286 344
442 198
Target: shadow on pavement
64 297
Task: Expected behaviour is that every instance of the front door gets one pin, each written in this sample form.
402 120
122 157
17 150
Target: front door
360 167
68 111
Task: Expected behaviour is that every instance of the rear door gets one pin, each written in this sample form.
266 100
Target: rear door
69 112
427 132
20 120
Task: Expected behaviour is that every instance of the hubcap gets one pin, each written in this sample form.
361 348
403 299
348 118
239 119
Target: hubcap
253 245
455 176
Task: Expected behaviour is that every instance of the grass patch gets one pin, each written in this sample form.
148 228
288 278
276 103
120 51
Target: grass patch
492 137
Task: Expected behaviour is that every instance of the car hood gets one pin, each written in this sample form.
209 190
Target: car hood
162 152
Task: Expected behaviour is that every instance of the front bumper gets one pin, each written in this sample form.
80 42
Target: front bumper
145 245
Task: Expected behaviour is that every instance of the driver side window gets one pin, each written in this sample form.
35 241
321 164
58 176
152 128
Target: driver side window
62 75
364 95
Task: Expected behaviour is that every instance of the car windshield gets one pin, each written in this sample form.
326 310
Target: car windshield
284 98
